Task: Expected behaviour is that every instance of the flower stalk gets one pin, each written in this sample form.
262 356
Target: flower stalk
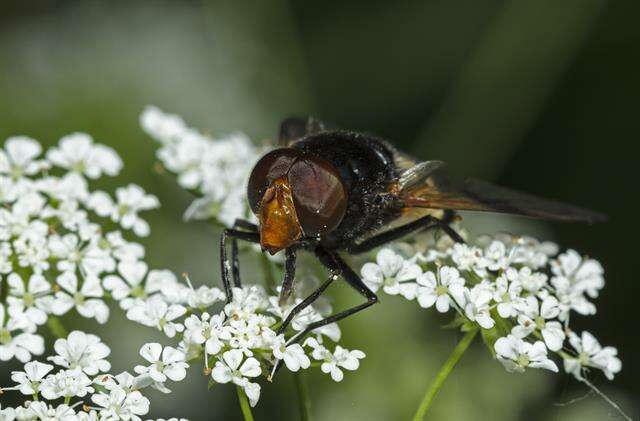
244 404
303 397
56 327
444 372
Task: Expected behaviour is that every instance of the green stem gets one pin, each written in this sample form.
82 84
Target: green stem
304 402
444 372
4 289
56 327
244 404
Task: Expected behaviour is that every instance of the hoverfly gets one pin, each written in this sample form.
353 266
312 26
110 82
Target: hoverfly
332 191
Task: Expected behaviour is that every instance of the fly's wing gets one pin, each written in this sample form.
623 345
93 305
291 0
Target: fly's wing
294 128
428 185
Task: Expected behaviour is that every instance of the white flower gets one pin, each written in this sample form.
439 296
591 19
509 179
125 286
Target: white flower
496 256
121 404
164 127
18 345
165 363
155 312
583 274
293 355
85 299
207 330
476 306
536 316
342 358
246 301
591 354
232 368
129 201
467 257
130 284
516 354
29 380
19 157
77 152
391 271
81 351
204 296
529 280
443 291
507 295
570 299
44 412
72 253
7 414
33 302
66 384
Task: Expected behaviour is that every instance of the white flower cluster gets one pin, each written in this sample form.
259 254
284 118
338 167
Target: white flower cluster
217 169
238 342
518 291
54 247
81 382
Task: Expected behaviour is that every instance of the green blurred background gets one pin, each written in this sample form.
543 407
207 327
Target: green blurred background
538 95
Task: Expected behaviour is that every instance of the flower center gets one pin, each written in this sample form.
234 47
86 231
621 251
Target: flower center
16 172
442 290
138 292
389 281
75 256
79 167
583 358
523 360
123 210
159 366
540 322
104 244
5 336
78 298
28 299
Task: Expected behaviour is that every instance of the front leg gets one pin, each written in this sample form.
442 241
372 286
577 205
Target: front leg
289 275
336 265
225 265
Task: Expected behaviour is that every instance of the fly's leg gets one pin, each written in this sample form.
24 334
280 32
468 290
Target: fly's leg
424 223
225 265
335 264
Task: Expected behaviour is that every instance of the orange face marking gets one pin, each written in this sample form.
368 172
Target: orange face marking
279 224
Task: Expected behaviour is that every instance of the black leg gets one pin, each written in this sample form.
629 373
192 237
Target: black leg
225 265
246 225
289 275
235 265
334 263
307 302
426 222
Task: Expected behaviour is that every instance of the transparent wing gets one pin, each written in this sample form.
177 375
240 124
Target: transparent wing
432 187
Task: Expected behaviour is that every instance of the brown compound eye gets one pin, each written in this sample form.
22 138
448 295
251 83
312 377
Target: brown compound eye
270 167
319 196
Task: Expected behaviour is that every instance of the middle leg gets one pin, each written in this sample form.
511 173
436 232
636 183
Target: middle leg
424 223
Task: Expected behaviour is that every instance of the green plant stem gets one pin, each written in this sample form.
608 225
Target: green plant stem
444 372
244 404
304 402
56 327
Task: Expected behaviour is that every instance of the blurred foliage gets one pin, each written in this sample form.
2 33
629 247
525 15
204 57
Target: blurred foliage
539 95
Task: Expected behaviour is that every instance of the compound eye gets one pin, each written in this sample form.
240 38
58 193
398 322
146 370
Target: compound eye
319 196
270 167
